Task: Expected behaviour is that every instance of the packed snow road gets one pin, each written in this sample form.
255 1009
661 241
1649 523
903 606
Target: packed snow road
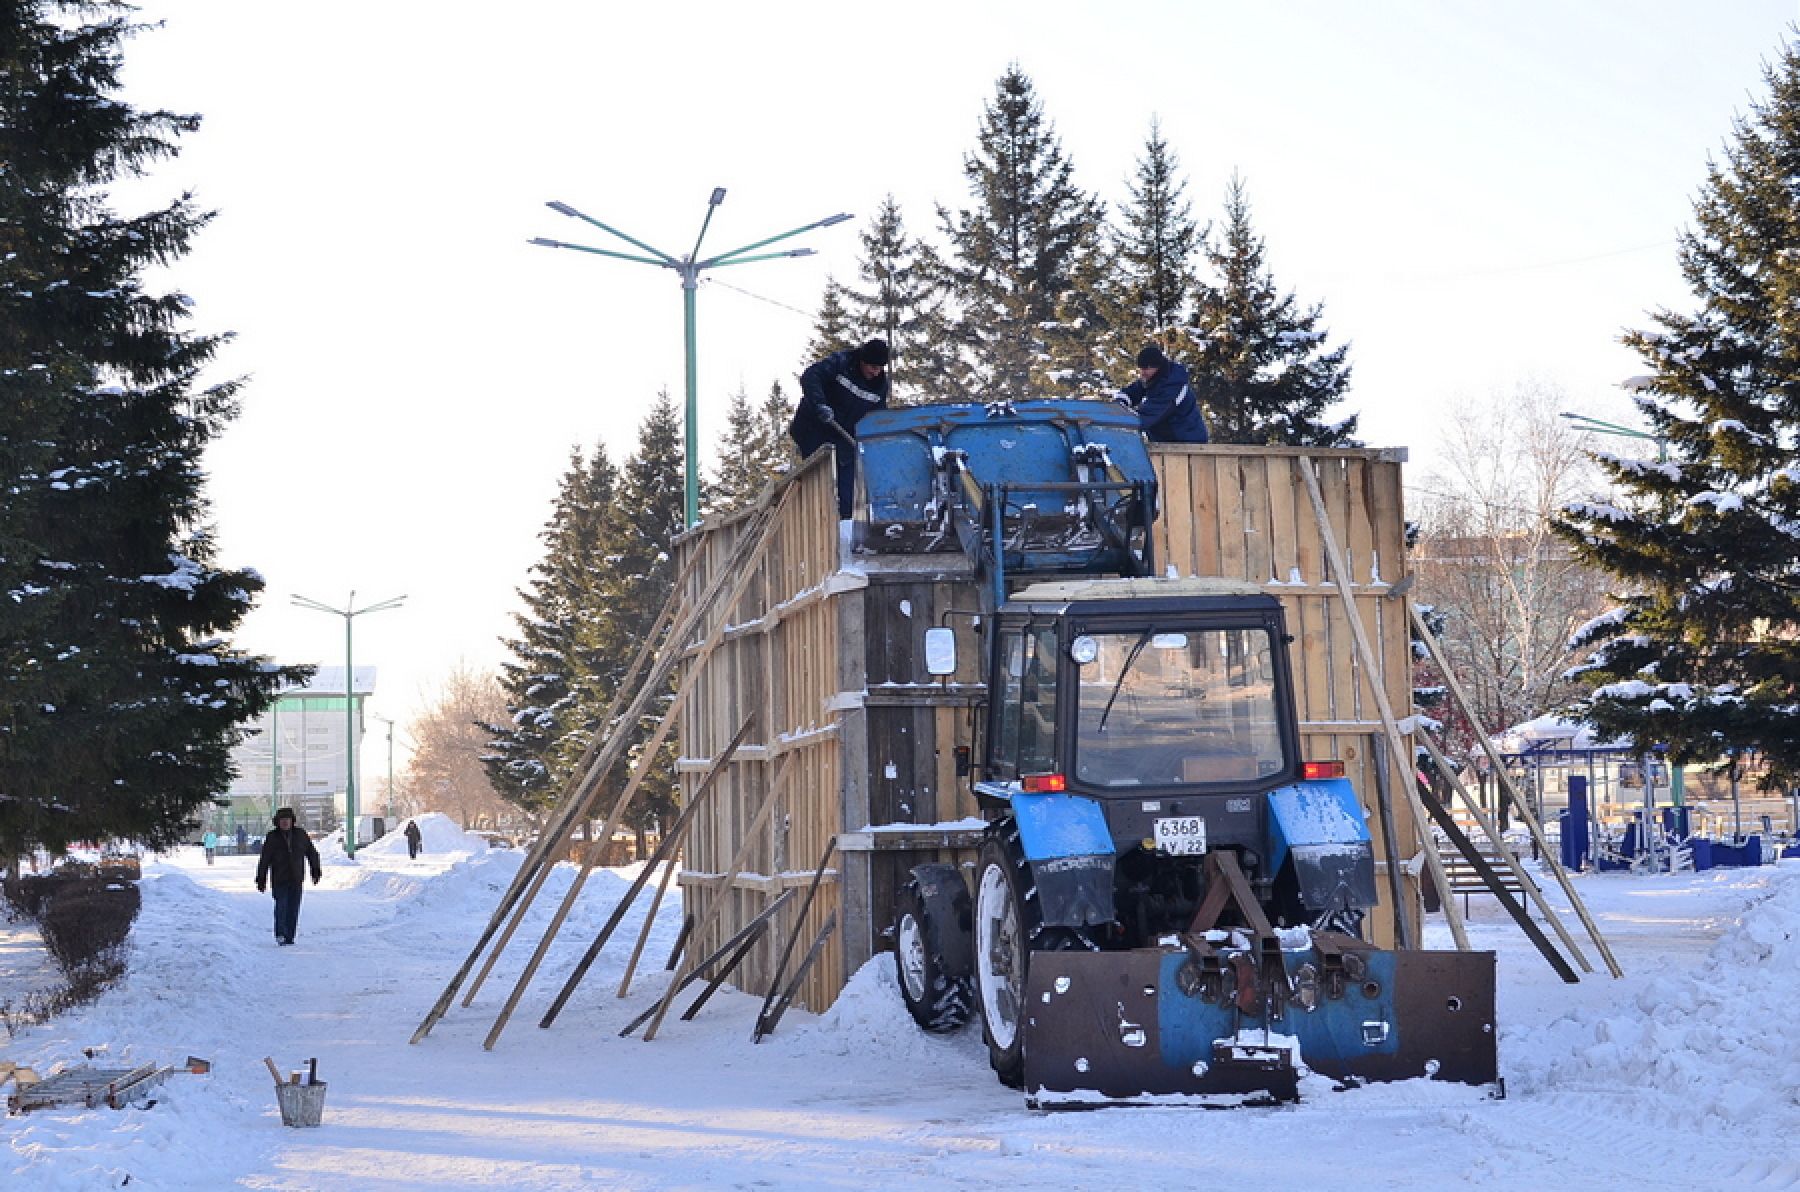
1681 1075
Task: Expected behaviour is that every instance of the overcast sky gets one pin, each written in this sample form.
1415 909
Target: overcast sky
1479 194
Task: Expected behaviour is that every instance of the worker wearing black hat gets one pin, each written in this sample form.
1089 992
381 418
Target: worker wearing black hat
1163 400
835 393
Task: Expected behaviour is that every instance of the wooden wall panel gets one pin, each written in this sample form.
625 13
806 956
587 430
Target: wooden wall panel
1257 492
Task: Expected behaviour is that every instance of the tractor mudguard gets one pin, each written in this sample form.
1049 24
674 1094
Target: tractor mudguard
1319 826
1070 850
1150 1026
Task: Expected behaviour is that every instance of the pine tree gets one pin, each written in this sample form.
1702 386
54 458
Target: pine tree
120 697
1260 368
1156 239
530 758
1703 654
753 451
637 575
833 328
1018 249
899 302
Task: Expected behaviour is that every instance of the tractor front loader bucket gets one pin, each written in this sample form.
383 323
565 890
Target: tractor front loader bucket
1195 1026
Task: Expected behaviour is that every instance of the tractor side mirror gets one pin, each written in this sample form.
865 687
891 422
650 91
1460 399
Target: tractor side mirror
940 651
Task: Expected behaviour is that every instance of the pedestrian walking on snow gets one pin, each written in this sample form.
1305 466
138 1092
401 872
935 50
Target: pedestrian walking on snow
415 844
287 854
210 842
1163 400
243 838
835 393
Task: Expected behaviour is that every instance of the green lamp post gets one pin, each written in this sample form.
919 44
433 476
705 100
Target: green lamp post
1595 426
350 612
689 269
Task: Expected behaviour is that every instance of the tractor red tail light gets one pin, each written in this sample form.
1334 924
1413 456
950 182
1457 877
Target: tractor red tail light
1043 784
1311 770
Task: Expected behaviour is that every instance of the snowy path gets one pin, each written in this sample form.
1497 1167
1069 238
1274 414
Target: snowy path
1678 1076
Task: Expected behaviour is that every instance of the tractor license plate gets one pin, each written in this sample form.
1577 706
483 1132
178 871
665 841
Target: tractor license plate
1181 835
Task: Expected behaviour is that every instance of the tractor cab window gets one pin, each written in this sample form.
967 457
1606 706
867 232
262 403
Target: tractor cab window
1189 708
1024 731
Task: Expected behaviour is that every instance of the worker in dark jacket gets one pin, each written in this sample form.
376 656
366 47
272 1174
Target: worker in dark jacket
835 393
287 854
1163 400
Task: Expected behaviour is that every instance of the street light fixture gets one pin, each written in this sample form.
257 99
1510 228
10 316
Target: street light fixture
390 777
689 267
349 612
1594 425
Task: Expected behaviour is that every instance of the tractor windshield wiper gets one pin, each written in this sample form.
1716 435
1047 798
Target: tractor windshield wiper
1137 648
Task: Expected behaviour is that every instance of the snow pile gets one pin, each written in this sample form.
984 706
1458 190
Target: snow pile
1714 1038
869 1019
438 833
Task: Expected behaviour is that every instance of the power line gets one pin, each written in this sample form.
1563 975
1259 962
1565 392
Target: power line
1504 269
713 281
1467 499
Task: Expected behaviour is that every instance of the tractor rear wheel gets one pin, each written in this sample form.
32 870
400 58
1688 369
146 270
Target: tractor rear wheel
931 947
1005 921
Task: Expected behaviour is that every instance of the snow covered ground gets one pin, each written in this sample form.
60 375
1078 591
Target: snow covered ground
1685 1074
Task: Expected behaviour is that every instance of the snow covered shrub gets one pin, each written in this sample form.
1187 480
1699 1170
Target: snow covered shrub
85 926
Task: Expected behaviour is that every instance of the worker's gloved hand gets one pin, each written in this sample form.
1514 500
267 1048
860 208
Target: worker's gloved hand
826 414
315 879
262 888
1121 399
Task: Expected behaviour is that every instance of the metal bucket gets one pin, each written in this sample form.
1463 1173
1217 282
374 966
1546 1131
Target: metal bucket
301 1104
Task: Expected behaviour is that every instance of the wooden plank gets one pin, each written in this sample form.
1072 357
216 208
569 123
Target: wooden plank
1233 556
1203 483
1175 528
1259 553
1284 538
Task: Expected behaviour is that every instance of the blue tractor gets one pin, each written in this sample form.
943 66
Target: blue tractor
1169 901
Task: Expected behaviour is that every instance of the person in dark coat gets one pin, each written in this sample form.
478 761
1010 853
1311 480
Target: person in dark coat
287 853
415 844
1163 400
835 393
243 839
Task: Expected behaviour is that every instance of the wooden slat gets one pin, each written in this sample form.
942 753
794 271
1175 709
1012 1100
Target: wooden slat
1207 516
1259 553
1176 531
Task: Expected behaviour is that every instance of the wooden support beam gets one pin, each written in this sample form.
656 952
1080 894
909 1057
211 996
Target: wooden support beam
1371 667
646 759
1460 841
574 804
637 949
1525 813
787 950
766 1021
773 796
747 933
665 852
1492 832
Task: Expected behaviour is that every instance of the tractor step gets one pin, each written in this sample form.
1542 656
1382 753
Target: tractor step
1165 1026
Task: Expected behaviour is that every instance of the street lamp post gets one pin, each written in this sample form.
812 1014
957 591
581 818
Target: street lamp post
689 269
390 778
1594 425
350 612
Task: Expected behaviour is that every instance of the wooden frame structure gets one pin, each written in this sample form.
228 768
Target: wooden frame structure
826 648
809 728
